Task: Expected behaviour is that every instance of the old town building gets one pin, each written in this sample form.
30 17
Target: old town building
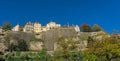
16 28
29 27
37 27
52 25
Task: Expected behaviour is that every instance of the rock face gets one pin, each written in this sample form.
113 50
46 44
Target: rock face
20 35
14 37
99 35
2 47
35 46
50 36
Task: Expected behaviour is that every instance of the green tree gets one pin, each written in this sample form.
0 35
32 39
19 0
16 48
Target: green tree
96 28
68 43
7 26
22 45
86 28
11 47
91 57
44 56
66 46
109 48
21 29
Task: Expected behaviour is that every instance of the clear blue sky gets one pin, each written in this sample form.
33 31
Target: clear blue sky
105 13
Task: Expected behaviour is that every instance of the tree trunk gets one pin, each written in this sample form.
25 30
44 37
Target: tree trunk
107 58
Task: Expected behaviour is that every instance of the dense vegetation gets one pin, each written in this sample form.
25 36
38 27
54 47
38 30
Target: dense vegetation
7 26
88 28
106 49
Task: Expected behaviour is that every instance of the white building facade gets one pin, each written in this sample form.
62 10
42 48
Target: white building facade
52 25
29 27
77 28
16 28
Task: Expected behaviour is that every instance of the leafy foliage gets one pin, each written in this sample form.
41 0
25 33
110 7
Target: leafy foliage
97 28
7 26
22 45
11 47
67 45
85 28
108 48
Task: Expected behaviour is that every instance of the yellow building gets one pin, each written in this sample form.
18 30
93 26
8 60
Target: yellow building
37 27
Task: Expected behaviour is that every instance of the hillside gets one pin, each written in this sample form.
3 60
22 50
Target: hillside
48 37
